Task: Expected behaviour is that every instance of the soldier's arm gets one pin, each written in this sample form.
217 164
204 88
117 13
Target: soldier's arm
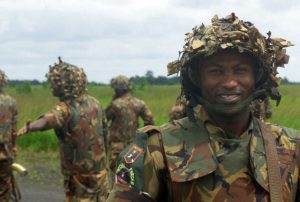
298 165
147 115
138 174
13 134
39 124
52 119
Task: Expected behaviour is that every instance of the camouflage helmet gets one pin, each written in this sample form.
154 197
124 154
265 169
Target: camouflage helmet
242 36
121 83
70 80
3 79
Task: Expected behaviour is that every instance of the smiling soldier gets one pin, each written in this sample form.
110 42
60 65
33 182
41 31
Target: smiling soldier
223 153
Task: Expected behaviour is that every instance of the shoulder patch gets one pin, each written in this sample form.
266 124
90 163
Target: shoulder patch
133 154
125 175
131 162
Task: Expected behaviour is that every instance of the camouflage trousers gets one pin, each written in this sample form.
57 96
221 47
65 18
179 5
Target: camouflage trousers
86 188
115 149
5 180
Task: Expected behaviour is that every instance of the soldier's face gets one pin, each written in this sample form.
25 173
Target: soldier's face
55 90
226 77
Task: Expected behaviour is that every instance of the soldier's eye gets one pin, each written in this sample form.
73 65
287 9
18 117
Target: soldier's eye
241 69
214 70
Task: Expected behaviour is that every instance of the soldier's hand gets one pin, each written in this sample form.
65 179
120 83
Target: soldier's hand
25 129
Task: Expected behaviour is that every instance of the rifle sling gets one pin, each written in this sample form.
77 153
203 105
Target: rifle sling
275 184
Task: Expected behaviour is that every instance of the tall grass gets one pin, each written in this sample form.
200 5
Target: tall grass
159 99
288 111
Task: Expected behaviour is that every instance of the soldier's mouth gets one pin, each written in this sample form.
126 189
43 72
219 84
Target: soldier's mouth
229 98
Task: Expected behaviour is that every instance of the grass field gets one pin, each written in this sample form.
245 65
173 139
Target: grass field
158 98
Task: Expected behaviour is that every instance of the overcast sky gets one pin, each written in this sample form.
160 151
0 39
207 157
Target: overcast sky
129 37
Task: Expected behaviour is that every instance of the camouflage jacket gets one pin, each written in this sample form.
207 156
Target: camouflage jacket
197 161
78 125
8 124
124 112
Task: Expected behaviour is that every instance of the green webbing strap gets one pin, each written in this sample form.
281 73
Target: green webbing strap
223 108
275 184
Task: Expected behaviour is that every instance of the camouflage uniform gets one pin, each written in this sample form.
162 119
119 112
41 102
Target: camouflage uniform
8 122
79 128
123 113
78 123
194 159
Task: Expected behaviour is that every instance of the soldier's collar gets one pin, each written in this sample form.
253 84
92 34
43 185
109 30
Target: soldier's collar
211 127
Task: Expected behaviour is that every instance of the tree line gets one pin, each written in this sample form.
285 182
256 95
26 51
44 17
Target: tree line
148 78
144 80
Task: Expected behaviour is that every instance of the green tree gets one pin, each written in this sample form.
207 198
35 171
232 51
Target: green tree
24 87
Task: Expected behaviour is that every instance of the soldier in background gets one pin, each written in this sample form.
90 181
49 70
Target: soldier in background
123 115
8 123
78 121
181 109
224 153
178 110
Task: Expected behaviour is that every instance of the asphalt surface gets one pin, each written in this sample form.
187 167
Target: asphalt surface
37 193
44 181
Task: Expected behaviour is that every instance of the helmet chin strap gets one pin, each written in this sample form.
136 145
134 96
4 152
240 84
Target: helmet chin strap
221 108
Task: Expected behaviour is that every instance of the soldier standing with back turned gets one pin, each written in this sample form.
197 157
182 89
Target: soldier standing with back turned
78 123
224 153
123 114
8 124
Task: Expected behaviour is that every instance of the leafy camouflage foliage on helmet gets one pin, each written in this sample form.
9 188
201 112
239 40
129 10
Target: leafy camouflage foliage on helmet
3 79
69 79
121 83
233 33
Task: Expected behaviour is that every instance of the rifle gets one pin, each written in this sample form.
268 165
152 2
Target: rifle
15 194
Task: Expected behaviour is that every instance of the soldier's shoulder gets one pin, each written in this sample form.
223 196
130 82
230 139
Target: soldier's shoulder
137 100
7 99
119 102
174 126
283 131
93 99
61 107
149 130
177 125
140 142
131 165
